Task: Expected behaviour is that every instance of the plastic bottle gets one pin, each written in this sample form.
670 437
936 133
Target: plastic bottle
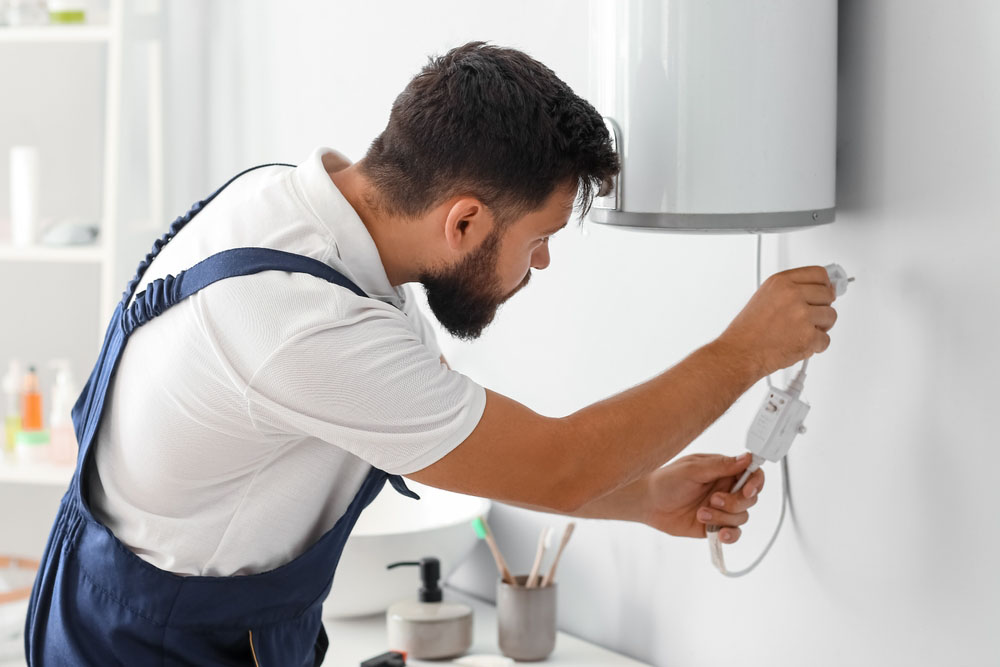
63 439
32 439
31 402
24 195
12 405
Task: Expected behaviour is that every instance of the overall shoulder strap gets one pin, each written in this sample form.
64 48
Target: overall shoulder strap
165 292
176 226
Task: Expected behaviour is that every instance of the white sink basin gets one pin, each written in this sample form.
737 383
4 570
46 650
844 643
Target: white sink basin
396 528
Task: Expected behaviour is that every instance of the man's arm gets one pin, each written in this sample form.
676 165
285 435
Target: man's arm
624 504
563 464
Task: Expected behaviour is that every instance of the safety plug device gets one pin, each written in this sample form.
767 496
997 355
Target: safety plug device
780 418
777 423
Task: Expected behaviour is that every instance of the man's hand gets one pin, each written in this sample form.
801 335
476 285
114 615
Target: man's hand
786 320
681 498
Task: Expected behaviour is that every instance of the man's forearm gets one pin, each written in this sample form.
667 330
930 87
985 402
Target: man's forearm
627 436
624 504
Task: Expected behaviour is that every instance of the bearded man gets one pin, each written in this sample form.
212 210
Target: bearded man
277 374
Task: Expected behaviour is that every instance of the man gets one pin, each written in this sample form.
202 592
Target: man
277 374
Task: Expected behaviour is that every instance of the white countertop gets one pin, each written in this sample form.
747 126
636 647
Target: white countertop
355 640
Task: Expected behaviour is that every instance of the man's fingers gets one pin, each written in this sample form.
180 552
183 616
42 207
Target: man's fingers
822 342
818 295
755 484
807 274
823 317
729 535
716 517
717 468
733 503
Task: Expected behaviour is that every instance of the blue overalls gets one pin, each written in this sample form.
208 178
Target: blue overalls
94 602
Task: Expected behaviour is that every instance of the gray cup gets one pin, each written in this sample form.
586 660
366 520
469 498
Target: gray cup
526 620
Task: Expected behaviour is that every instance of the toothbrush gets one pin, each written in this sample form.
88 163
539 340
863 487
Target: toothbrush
484 533
544 542
562 545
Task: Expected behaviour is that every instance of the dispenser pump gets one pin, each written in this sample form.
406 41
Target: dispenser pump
429 628
430 573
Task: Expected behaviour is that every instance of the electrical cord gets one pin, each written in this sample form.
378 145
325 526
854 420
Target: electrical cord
712 532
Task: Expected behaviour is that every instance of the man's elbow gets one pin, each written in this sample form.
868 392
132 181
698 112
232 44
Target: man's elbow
570 480
569 495
581 478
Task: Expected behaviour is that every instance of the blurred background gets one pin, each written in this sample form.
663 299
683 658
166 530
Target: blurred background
889 555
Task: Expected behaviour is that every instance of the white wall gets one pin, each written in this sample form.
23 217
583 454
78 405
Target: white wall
891 553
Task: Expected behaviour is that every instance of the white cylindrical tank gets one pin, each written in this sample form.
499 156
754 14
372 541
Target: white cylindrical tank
725 112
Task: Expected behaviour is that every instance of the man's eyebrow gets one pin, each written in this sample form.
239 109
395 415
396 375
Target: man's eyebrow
550 233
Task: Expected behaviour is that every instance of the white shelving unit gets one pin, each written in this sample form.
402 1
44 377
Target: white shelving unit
109 35
57 33
88 254
87 36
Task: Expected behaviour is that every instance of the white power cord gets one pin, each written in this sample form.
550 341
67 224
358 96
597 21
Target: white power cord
777 423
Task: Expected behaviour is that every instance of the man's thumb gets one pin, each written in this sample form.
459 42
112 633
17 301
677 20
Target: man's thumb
724 466
740 462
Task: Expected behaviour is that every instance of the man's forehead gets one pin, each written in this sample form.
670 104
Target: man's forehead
553 215
550 220
564 220
560 207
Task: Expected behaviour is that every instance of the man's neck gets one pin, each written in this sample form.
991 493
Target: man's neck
397 240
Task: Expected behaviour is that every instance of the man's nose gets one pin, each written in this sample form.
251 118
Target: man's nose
540 258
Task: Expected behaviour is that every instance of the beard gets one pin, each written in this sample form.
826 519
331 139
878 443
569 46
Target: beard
465 298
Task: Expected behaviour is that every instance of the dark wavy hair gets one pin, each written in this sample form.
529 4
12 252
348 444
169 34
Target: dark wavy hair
494 123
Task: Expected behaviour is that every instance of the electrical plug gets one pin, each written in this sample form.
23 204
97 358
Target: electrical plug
838 277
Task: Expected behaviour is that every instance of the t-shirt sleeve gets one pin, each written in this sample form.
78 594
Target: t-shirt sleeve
369 385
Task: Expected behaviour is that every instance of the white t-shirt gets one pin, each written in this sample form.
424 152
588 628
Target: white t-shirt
242 421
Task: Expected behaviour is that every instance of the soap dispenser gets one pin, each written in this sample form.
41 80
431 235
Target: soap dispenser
429 628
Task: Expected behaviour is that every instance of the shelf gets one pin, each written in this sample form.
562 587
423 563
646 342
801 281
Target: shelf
14 472
84 254
55 33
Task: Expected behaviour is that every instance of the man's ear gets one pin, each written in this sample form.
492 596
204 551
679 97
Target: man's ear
467 222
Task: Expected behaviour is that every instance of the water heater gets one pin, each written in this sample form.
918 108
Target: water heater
723 112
